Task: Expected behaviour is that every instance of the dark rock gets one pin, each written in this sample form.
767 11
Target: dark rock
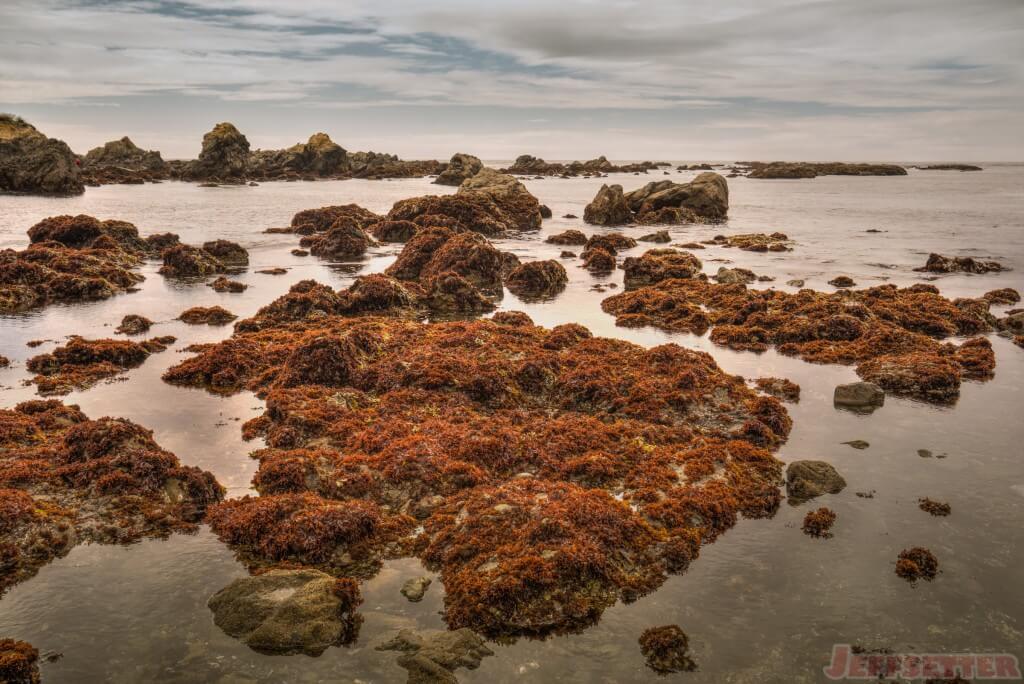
656 265
227 252
842 281
133 324
225 155
223 284
537 279
568 237
545 211
661 236
461 167
608 208
32 163
666 649
942 264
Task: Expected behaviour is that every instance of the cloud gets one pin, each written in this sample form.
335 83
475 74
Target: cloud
677 66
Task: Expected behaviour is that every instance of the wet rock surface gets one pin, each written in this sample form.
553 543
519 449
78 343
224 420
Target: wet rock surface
942 264
537 279
812 170
806 480
818 523
460 167
705 198
207 315
754 242
432 657
414 589
66 480
585 418
782 388
859 395
32 163
568 237
122 161
19 662
282 612
134 324
81 363
893 334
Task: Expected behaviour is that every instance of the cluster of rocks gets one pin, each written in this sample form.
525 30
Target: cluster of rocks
81 363
528 165
892 334
67 480
704 199
938 263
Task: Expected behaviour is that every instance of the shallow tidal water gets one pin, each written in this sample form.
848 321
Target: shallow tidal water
764 603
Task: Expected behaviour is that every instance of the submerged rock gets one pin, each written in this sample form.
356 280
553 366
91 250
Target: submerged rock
32 163
755 242
414 589
917 563
134 324
807 480
281 612
779 387
432 657
568 237
859 395
667 649
661 236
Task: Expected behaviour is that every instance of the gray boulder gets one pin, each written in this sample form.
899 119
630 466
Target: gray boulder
289 611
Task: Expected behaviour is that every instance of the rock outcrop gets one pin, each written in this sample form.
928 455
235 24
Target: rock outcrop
461 167
812 170
122 161
705 198
224 156
34 164
319 157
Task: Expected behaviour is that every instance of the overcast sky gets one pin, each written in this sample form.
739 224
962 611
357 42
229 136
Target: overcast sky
562 79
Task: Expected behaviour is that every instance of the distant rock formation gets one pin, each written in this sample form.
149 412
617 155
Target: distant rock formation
461 167
122 161
224 157
528 165
320 156
705 198
812 170
32 163
948 167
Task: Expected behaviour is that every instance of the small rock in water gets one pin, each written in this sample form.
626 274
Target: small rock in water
277 270
859 395
924 453
842 281
433 656
415 588
917 563
857 444
936 508
819 523
866 495
796 282
300 252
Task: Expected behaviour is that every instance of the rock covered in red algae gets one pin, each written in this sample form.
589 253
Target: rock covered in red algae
310 221
134 324
599 260
343 240
281 612
567 237
754 242
65 480
656 265
537 279
207 315
229 253
613 243
933 507
81 363
917 563
942 264
819 523
394 231
223 284
71 259
892 333
782 388
438 250
1004 295
218 256
667 649
19 662
553 473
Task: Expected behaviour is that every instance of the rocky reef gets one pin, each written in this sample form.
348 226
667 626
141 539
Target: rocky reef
893 334
812 170
704 199
544 474
34 164
528 165
66 480
942 264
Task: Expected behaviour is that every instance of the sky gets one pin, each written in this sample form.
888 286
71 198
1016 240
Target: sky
850 80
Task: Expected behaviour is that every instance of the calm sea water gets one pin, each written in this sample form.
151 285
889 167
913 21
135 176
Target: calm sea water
765 603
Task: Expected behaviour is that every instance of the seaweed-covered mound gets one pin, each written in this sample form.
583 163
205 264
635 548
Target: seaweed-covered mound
309 221
666 649
567 237
71 259
754 242
489 203
705 198
186 261
552 472
81 363
917 563
32 163
434 251
206 315
893 333
656 265
65 480
19 662
537 279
